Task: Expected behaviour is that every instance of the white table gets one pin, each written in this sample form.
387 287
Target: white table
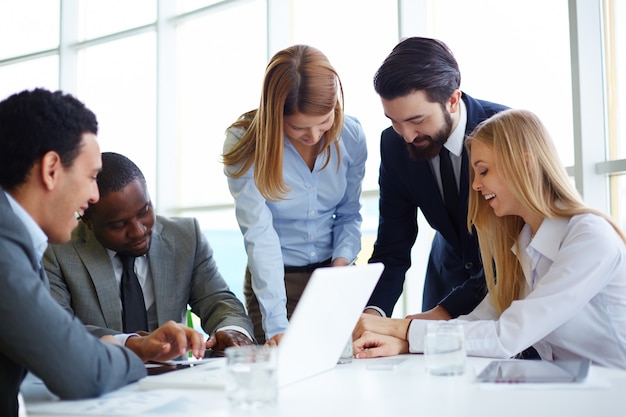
354 390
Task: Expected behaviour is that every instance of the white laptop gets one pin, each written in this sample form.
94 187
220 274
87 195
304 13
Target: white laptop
323 320
318 330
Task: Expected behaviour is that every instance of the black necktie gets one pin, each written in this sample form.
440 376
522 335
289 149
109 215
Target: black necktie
450 191
134 316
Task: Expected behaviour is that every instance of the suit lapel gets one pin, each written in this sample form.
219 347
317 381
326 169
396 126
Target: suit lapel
100 268
162 259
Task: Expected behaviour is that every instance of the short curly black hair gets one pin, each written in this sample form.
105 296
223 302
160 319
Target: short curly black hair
117 172
34 122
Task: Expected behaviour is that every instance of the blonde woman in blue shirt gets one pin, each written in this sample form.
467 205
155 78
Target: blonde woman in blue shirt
295 167
561 266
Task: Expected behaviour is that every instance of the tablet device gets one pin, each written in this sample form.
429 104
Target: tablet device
535 371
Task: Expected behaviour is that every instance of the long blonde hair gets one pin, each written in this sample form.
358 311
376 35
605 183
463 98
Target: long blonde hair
528 162
298 79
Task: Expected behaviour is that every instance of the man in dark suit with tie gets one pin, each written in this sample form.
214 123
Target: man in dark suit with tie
423 159
48 166
126 269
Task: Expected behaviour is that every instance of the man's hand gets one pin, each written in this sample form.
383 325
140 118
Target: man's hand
274 340
222 339
167 342
436 313
373 345
380 325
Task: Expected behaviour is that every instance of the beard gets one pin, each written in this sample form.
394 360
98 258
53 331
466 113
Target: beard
435 142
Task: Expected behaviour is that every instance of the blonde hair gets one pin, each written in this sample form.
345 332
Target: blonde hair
528 162
298 79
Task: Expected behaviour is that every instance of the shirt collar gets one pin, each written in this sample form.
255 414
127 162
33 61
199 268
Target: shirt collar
454 144
37 235
548 238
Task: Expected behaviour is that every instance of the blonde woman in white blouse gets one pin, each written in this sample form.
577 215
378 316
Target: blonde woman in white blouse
561 266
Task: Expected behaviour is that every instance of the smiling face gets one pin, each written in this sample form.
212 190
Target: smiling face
490 184
306 131
122 221
424 125
74 189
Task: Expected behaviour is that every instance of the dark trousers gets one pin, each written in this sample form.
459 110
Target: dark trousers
296 278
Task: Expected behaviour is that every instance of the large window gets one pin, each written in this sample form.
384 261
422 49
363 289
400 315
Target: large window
167 77
615 39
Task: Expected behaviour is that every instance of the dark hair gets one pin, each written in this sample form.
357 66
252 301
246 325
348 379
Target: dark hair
35 122
117 172
418 64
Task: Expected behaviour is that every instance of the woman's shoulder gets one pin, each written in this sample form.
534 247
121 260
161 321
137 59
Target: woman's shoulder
351 122
352 129
233 136
589 220
595 228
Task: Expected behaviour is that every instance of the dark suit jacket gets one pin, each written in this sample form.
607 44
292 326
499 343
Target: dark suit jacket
454 277
183 272
36 335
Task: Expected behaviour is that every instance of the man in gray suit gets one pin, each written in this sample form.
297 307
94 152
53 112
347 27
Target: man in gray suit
173 263
48 166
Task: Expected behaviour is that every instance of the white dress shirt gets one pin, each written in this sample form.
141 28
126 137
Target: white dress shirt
574 303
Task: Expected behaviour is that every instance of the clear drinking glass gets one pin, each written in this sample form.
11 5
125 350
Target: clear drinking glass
346 353
252 379
444 348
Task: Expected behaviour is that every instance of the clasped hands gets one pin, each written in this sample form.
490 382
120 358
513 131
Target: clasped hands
376 336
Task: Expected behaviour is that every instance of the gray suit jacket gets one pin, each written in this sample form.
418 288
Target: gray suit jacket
36 335
183 272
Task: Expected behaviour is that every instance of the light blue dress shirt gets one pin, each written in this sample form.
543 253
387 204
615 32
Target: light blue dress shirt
319 218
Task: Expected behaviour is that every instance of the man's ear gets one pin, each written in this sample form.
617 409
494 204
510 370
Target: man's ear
455 101
51 168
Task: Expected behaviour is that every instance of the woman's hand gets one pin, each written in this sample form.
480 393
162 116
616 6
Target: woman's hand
372 345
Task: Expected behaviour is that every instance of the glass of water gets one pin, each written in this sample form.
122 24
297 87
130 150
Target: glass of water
252 380
444 348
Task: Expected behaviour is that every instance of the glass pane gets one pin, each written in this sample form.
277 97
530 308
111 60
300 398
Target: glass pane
184 6
618 197
216 82
516 55
616 65
117 80
102 17
221 230
356 61
43 72
28 26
